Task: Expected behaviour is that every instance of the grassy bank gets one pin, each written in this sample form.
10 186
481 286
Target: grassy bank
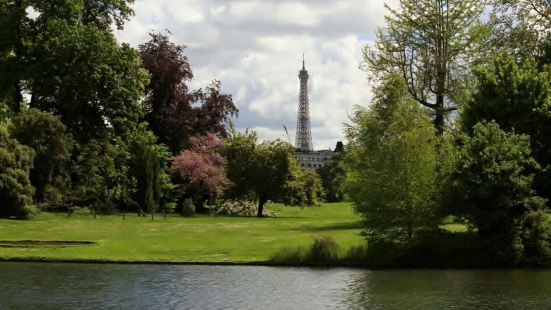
197 239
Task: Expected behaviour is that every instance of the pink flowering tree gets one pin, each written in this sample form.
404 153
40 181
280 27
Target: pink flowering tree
201 169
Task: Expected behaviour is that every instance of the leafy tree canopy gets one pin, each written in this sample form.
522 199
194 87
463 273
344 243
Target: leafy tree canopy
16 191
391 165
173 111
431 45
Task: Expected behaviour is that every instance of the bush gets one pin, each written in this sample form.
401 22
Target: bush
292 256
492 187
16 191
188 209
47 136
324 251
101 179
244 208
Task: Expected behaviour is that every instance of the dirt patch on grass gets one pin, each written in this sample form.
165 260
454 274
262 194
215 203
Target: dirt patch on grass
37 243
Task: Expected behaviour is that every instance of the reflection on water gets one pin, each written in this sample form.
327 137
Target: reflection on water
71 286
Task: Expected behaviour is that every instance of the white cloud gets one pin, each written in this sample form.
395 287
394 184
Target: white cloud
255 48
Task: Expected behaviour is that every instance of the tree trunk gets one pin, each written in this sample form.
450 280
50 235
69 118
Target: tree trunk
261 203
18 96
439 114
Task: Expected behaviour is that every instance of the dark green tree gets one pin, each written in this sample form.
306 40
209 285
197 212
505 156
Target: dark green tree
305 189
83 75
100 176
333 175
258 170
148 165
16 191
22 51
47 136
517 97
493 189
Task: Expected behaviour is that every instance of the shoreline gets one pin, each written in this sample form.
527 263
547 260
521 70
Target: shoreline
129 262
85 261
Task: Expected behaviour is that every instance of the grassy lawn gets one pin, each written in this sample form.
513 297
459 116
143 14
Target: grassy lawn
196 239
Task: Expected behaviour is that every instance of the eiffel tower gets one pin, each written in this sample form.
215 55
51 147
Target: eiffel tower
303 140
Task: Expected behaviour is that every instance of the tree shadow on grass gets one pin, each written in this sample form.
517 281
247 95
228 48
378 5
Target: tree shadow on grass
339 226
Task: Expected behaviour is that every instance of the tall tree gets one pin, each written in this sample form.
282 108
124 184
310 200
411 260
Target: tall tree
493 186
391 165
517 97
430 43
201 169
260 171
47 136
332 175
86 77
175 113
520 27
19 33
148 165
16 191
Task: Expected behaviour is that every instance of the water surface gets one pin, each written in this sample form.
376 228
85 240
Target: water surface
83 286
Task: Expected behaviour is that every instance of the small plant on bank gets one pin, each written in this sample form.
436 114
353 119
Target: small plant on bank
323 252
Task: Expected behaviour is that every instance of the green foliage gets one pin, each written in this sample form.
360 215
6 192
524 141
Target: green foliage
16 190
520 27
517 97
391 165
431 45
304 189
260 170
68 61
47 136
333 176
100 176
322 252
83 75
148 165
492 182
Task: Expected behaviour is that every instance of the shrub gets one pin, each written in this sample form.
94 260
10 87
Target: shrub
188 208
16 190
47 136
294 256
324 251
101 179
492 186
244 208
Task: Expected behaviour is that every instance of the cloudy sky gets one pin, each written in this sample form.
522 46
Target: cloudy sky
254 47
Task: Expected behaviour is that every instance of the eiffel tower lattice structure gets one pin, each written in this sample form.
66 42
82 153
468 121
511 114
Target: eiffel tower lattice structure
303 141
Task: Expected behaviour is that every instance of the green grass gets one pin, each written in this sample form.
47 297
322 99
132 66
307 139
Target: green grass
196 239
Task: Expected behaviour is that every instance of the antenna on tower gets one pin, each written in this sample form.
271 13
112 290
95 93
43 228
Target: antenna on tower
303 66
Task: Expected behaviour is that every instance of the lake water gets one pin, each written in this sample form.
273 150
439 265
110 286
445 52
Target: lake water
76 286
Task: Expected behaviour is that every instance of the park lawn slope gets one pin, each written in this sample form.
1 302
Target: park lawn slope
202 239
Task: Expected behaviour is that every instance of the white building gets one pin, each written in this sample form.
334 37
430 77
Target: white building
313 159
